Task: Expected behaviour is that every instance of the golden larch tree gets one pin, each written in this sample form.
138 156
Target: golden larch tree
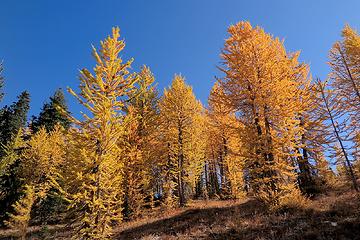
42 159
39 166
345 64
224 146
182 126
315 140
19 220
331 106
265 85
94 151
11 152
140 144
344 60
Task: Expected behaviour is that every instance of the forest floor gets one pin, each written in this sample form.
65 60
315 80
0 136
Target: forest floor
332 216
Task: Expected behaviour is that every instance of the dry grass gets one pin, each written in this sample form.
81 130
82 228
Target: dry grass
333 216
59 231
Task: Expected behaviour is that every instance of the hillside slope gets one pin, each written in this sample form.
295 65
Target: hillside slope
336 216
333 216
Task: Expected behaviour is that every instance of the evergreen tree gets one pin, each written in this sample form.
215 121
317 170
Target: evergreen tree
13 118
12 123
52 113
10 180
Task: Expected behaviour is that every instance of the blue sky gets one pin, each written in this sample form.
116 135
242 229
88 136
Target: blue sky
43 43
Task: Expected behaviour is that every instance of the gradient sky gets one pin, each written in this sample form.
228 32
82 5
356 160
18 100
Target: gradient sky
43 43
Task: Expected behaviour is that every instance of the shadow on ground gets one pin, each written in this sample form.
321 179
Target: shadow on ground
328 217
250 220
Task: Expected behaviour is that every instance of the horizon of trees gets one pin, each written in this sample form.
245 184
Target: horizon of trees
269 131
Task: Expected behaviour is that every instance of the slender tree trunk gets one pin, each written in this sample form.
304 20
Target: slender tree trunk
221 169
206 179
337 135
181 172
270 156
258 151
213 184
168 178
356 90
225 182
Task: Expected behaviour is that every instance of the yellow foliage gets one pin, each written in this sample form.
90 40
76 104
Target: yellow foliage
140 146
182 125
292 200
94 155
42 158
19 220
11 151
344 61
266 87
224 145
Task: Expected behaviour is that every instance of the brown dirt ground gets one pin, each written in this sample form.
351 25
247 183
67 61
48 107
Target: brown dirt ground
333 216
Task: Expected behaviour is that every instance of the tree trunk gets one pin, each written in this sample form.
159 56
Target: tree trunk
306 181
181 171
337 135
356 90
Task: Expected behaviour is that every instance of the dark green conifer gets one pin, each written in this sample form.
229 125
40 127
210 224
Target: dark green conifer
52 113
12 120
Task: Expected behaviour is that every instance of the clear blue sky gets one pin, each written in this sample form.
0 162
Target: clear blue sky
43 43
